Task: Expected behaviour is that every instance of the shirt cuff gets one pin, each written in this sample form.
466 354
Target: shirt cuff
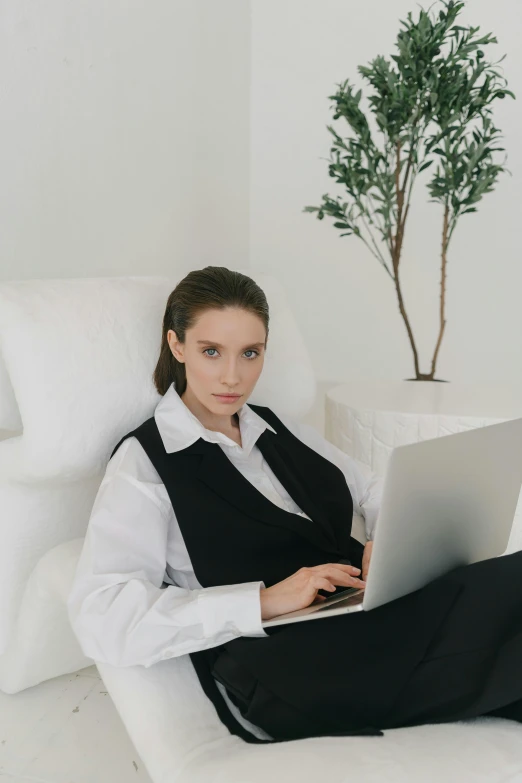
232 609
371 515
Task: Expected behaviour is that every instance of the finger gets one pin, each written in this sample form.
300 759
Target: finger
342 566
340 577
320 583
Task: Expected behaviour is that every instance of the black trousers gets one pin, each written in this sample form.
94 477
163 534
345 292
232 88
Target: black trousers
450 651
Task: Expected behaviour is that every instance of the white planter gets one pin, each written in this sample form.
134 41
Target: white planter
368 419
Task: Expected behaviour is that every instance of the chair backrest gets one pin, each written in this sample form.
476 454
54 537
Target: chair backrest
78 361
78 357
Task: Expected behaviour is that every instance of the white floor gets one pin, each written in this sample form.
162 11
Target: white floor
66 730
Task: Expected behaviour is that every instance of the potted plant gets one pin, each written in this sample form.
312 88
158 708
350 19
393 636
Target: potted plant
432 104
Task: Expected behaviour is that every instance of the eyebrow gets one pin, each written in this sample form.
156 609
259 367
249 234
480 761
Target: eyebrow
211 342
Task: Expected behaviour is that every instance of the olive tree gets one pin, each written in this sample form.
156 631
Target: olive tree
432 105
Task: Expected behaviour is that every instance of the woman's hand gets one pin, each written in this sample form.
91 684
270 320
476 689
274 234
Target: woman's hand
366 558
300 589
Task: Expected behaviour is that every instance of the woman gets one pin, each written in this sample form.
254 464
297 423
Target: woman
214 515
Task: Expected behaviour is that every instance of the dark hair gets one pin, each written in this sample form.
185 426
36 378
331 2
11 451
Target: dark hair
214 287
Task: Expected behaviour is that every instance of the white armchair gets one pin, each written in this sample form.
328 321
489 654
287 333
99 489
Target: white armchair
76 363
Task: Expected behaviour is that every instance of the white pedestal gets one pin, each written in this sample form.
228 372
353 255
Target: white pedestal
368 419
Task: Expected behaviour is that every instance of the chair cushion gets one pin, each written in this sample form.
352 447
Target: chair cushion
34 519
178 735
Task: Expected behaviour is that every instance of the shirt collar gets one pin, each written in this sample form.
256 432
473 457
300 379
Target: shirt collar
179 427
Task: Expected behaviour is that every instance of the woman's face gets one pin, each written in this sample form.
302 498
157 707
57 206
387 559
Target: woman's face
223 354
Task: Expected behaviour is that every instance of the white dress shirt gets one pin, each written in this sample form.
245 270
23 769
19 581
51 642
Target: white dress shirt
117 607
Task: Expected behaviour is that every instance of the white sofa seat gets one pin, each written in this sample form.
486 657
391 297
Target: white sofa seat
180 738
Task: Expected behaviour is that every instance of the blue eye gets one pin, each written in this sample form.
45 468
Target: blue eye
250 350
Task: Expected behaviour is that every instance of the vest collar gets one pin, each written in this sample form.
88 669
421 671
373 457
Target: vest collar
180 428
218 473
181 431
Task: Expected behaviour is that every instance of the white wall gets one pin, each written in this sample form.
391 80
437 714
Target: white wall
124 136
344 300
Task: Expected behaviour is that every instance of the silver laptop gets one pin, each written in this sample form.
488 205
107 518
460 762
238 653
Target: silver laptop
446 502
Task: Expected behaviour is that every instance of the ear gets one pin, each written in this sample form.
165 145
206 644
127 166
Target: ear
175 346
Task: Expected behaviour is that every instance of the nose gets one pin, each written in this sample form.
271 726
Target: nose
230 375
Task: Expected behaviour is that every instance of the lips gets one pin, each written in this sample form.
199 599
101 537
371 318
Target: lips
228 396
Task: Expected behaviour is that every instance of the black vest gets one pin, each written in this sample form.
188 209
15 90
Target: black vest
234 534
